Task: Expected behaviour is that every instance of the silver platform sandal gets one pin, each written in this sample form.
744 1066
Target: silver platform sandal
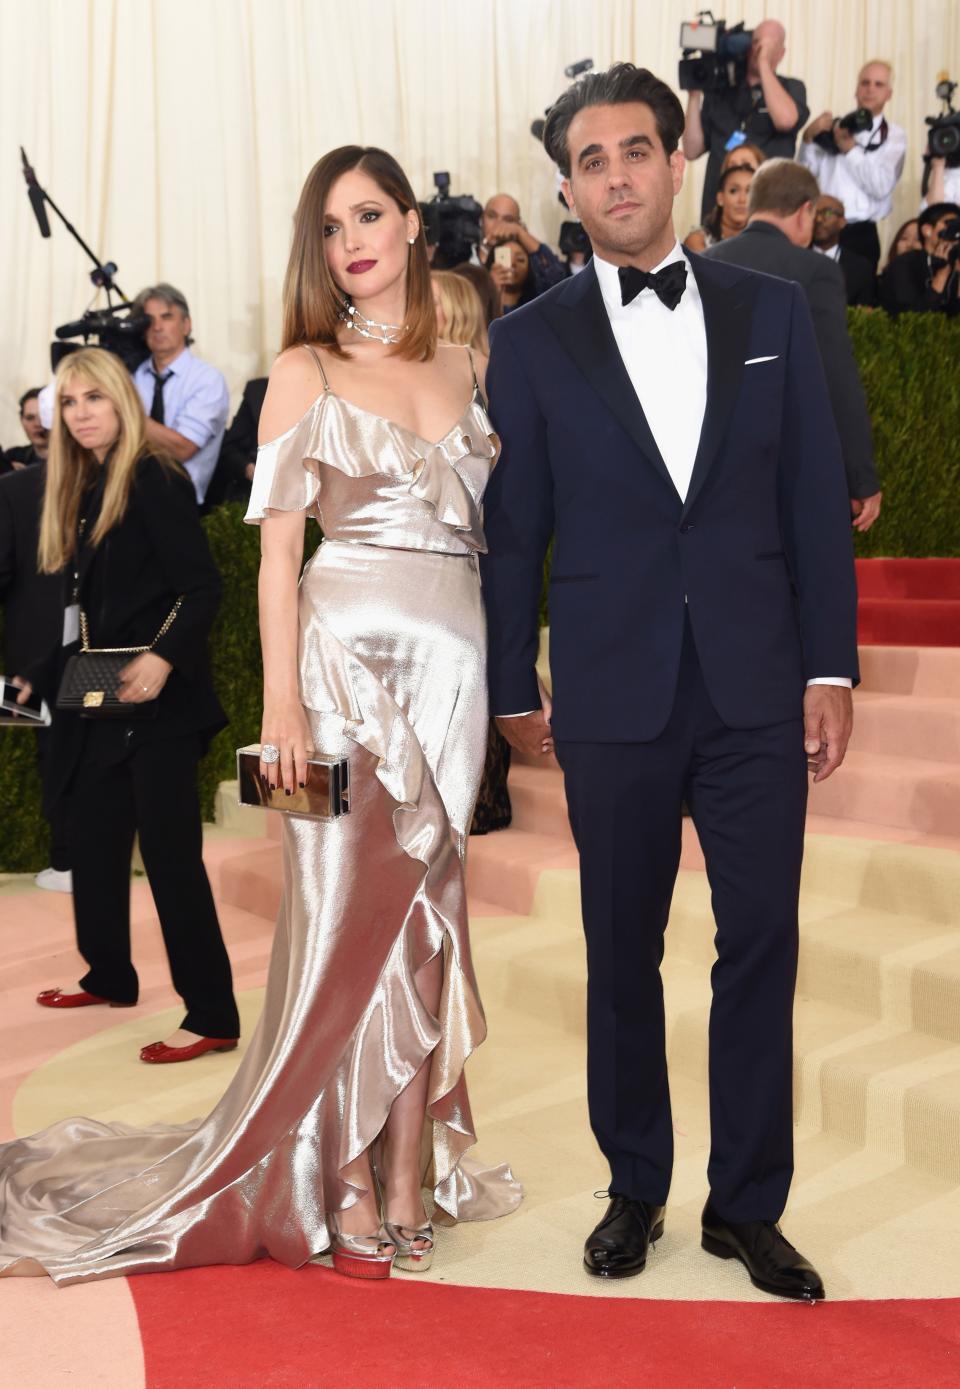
414 1246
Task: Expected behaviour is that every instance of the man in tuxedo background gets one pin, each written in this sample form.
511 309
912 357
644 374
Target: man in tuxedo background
829 220
665 420
776 240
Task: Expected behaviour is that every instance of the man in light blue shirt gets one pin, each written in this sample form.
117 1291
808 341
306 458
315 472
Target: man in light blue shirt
186 400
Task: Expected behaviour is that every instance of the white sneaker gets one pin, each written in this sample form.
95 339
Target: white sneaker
55 880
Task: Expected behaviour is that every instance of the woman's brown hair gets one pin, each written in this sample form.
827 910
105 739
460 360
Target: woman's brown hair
311 296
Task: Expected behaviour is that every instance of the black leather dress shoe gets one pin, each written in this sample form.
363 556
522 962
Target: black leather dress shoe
772 1262
618 1246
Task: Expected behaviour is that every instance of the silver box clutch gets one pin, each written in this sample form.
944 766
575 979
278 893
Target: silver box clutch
325 796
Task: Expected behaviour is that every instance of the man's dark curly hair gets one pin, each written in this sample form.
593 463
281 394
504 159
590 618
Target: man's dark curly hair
620 84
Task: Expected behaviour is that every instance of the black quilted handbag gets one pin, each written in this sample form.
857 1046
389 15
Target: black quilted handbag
91 677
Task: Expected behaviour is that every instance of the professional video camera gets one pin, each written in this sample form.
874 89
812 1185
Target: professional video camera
451 224
573 71
121 335
574 239
943 139
117 328
714 56
855 122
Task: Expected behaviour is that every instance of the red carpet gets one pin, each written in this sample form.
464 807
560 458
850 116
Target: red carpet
265 1327
909 602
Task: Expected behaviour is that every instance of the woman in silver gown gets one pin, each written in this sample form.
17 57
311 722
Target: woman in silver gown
351 1096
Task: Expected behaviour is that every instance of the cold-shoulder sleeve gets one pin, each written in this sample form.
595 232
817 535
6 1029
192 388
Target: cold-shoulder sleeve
286 477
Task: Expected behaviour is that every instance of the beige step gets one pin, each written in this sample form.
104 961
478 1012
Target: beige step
931 671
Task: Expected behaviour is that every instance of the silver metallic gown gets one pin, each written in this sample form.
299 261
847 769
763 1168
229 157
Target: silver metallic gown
392 656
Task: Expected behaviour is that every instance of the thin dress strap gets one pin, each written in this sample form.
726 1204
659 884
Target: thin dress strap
326 383
476 383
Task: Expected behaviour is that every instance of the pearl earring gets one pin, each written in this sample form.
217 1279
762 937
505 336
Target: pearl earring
411 240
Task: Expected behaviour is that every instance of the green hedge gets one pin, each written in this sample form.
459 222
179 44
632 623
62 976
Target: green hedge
909 368
911 373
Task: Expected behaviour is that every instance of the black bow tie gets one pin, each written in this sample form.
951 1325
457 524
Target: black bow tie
667 284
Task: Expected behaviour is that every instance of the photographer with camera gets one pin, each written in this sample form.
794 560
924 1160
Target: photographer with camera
928 280
759 106
858 159
186 400
501 222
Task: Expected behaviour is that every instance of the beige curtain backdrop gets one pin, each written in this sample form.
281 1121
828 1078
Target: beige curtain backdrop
176 134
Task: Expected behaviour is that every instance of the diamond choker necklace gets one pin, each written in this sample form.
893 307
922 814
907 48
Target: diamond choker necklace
367 327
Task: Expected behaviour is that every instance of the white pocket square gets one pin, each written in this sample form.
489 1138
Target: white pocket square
752 361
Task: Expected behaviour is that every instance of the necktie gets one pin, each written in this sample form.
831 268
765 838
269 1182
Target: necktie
156 409
667 284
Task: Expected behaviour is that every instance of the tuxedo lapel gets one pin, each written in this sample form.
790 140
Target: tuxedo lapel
580 321
727 313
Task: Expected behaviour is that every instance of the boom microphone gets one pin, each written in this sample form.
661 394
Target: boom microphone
36 195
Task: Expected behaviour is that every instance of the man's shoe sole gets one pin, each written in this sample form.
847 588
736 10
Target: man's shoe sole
724 1251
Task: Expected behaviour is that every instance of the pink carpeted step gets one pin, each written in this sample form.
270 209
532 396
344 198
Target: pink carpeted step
921 670
916 794
910 621
907 726
908 578
251 879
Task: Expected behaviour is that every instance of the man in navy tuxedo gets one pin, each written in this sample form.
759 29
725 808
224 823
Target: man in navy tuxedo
665 420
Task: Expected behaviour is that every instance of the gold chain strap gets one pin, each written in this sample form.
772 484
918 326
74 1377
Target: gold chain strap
168 622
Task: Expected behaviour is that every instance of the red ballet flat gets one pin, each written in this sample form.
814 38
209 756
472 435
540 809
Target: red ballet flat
159 1054
56 998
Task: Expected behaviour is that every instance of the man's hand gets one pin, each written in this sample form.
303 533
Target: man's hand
827 725
763 50
844 139
865 511
530 733
823 122
942 250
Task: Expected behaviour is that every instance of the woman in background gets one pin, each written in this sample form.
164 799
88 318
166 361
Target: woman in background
514 281
906 239
460 319
121 525
730 213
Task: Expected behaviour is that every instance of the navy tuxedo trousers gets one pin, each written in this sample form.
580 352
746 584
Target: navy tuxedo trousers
746 790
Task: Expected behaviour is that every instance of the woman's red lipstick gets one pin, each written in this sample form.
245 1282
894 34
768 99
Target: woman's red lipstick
360 267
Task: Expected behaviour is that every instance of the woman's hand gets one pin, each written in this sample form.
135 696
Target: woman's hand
285 727
143 678
25 688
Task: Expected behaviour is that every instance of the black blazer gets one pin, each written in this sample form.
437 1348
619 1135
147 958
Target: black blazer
762 246
759 554
32 602
860 279
128 585
230 482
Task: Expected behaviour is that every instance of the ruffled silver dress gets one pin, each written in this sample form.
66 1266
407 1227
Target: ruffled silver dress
392 673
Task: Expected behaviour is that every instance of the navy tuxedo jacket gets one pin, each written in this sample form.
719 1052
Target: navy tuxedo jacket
761 549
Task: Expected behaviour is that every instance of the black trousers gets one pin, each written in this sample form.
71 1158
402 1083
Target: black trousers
153 793
746 791
58 818
863 239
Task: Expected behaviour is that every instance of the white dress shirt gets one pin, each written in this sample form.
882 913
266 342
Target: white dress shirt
665 354
196 403
831 252
864 178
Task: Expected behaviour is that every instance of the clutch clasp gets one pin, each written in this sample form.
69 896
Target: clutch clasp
93 699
